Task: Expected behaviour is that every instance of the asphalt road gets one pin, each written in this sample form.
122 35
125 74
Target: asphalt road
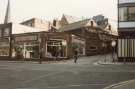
63 75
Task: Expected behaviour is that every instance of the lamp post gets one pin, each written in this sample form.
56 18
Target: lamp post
104 48
40 50
64 43
113 44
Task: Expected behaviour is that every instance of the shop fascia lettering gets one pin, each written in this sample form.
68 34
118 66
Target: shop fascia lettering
26 38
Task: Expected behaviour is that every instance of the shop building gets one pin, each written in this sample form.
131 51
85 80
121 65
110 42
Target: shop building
54 45
7 32
23 42
56 41
97 39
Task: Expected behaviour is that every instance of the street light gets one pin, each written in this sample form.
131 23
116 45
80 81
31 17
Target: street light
64 43
113 44
40 50
104 46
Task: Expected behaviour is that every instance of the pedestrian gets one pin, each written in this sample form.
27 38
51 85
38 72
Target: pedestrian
75 55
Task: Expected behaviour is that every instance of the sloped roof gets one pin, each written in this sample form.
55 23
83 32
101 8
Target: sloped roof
77 25
71 19
19 29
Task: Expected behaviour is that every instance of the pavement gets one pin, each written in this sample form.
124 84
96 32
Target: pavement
108 60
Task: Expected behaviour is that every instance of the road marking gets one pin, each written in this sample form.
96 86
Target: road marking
119 84
95 64
77 85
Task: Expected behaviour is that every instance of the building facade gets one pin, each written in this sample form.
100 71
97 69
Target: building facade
7 32
97 39
19 42
126 30
57 40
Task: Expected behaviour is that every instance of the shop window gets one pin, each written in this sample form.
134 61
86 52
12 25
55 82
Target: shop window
27 50
4 49
56 48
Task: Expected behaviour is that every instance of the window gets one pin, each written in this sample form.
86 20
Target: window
30 24
4 48
127 14
56 48
6 32
123 14
131 13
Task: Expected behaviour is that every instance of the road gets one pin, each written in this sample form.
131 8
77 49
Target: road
63 75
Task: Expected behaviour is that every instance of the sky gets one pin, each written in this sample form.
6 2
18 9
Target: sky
49 9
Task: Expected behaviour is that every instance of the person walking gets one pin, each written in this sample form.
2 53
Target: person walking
75 55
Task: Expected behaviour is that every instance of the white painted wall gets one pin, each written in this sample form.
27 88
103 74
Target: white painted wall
126 24
126 1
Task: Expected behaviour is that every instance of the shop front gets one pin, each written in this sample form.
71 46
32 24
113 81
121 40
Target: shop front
56 48
26 46
62 45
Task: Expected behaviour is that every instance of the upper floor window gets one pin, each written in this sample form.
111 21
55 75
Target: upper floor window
30 24
123 14
127 14
6 32
131 13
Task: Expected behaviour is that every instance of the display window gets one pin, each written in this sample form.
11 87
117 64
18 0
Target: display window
4 48
26 50
56 48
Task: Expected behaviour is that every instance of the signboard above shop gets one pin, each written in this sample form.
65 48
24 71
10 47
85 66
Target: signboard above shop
26 38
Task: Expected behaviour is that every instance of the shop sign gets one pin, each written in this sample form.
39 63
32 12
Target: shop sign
26 38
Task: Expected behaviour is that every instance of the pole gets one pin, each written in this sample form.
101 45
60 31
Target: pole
105 54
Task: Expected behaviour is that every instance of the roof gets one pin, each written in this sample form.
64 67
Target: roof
77 25
71 19
19 29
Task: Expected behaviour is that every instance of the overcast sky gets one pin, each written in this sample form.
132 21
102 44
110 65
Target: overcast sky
49 9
